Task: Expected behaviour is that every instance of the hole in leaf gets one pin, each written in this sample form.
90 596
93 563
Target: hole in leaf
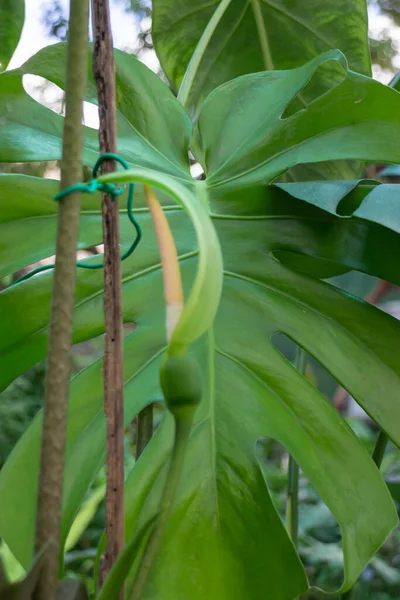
315 372
324 382
320 539
48 169
99 249
53 171
46 93
326 77
19 404
371 289
52 97
196 171
132 431
319 534
50 260
385 297
329 387
87 352
309 265
90 115
353 200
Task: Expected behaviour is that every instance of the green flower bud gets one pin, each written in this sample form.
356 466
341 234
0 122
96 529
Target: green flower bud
180 378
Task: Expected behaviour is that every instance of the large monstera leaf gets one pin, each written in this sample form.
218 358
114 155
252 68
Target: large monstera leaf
225 538
246 138
204 46
246 36
153 129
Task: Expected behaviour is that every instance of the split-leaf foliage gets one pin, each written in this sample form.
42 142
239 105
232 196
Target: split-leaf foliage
272 93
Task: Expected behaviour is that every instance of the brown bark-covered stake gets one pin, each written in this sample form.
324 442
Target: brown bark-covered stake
104 74
59 353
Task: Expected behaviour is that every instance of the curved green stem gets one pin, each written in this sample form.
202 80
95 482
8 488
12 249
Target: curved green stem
292 506
203 301
193 66
182 431
262 35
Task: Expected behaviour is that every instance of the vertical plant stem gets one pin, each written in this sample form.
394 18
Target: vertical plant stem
182 432
144 429
262 35
193 66
104 74
292 506
49 507
380 447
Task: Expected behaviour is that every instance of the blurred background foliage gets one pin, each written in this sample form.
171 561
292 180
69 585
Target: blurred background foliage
383 42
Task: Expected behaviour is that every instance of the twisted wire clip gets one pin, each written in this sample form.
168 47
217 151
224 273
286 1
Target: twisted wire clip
90 188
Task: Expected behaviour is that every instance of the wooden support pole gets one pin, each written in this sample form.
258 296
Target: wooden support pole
104 74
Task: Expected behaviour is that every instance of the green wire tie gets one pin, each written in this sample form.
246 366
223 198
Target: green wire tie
89 188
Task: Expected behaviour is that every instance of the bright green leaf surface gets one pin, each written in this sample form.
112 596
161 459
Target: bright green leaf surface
84 517
203 46
12 15
378 203
251 391
246 141
153 129
123 564
254 35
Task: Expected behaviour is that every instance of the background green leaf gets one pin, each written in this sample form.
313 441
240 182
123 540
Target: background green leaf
153 128
85 515
246 139
372 201
12 16
123 564
258 35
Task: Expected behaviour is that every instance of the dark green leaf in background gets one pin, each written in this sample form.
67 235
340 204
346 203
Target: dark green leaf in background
254 35
236 37
12 15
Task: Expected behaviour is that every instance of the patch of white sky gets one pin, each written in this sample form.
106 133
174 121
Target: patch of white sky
34 37
379 25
